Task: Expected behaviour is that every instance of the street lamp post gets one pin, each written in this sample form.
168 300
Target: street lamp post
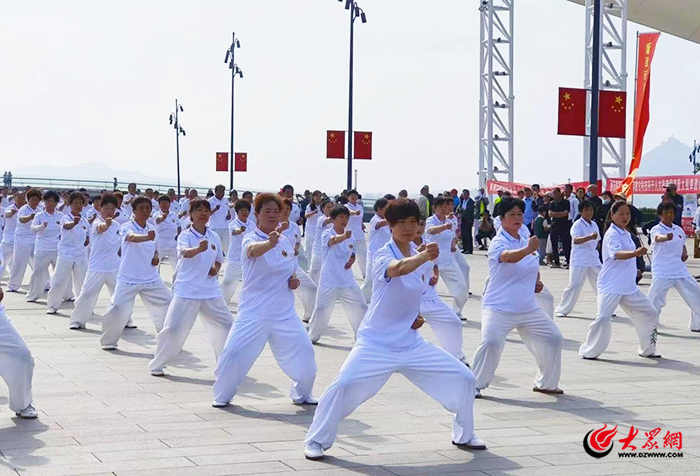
175 122
235 70
355 12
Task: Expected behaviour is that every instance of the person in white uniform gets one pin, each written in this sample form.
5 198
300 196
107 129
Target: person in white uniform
312 214
126 204
121 215
668 269
337 281
16 366
24 240
238 228
220 215
357 227
307 288
196 291
459 257
509 303
167 228
585 262
137 275
266 312
8 237
322 224
47 228
103 264
441 230
446 325
72 260
388 342
379 235
617 286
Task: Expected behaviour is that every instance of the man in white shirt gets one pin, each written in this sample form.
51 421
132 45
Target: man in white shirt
379 235
167 228
47 228
24 240
128 199
238 228
220 215
8 237
356 226
174 202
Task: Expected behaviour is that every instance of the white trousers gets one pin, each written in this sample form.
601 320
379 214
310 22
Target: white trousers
464 266
61 281
309 245
545 299
40 273
445 324
638 308
361 253
453 277
23 255
689 290
16 365
232 275
182 313
315 268
306 292
302 260
224 236
155 296
353 303
367 283
577 279
290 346
90 293
8 250
537 330
171 254
368 368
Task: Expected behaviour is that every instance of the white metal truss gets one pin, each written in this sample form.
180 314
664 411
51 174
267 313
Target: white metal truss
496 90
613 75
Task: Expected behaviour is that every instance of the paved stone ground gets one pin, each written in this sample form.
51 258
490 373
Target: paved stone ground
102 413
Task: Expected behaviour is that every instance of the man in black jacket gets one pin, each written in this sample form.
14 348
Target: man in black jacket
467 206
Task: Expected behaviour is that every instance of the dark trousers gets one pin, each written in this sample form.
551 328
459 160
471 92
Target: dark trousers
561 233
467 231
483 234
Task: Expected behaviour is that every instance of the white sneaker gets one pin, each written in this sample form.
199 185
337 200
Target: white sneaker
308 401
313 451
52 310
158 373
28 413
560 314
75 326
477 393
475 443
109 347
216 404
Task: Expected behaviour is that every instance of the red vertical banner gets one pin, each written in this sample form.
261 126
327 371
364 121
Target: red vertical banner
222 161
335 144
645 55
363 146
613 109
572 112
241 162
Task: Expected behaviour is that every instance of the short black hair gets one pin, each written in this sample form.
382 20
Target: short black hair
585 204
164 198
243 195
339 210
110 198
139 200
352 192
441 201
325 202
380 203
199 203
543 209
342 200
401 209
33 192
51 194
287 187
508 203
389 196
663 206
75 196
240 205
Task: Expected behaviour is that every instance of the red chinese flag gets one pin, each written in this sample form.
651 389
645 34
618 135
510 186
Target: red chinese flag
363 145
572 112
335 144
222 161
241 162
613 109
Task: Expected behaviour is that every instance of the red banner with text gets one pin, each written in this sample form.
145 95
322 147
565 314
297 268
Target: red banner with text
493 186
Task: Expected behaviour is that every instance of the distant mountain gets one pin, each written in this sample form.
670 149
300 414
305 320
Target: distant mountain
669 158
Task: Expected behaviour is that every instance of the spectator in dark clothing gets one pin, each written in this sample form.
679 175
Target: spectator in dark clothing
302 206
537 198
593 196
559 211
467 210
486 229
601 213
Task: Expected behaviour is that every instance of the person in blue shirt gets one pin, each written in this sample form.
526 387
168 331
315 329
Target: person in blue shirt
530 211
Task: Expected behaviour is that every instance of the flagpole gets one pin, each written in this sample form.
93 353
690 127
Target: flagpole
595 93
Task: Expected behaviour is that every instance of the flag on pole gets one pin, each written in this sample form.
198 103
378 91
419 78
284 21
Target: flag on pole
646 48
335 144
363 146
572 112
241 162
612 112
222 161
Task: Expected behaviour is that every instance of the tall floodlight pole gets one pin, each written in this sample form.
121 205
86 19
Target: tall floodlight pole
235 71
355 13
175 122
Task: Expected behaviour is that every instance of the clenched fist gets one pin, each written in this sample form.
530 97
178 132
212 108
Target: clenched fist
533 244
432 251
151 235
203 245
274 237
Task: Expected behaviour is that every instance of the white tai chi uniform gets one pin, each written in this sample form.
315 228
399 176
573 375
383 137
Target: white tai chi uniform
669 271
136 275
24 248
450 272
509 303
617 286
72 262
126 205
234 272
585 263
45 251
121 216
307 288
386 344
336 283
317 258
378 237
194 292
446 325
8 239
16 364
355 225
167 238
266 314
103 265
219 220
311 232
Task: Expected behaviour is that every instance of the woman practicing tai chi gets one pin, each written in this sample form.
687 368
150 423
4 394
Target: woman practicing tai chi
388 342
